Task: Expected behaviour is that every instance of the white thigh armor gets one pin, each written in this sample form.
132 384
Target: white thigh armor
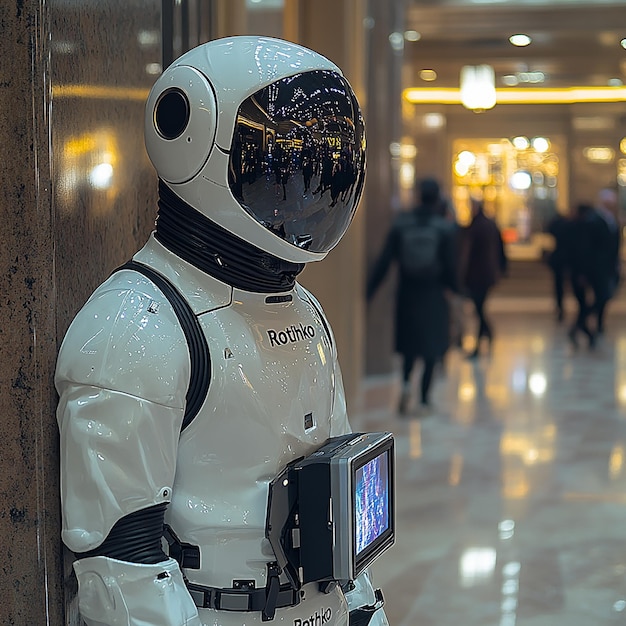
275 394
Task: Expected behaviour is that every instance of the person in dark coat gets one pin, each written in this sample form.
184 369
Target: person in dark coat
422 322
588 245
559 227
608 273
483 262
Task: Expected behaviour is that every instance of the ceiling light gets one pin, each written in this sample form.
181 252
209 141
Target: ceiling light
540 144
428 75
510 80
599 154
527 95
615 82
520 40
623 43
478 90
412 35
521 180
520 143
433 120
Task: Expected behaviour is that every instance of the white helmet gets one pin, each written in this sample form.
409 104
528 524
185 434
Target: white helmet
264 138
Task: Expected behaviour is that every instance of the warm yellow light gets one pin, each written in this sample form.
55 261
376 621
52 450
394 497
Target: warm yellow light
408 151
540 144
477 89
433 120
521 143
407 176
428 75
530 95
97 92
622 145
412 35
599 154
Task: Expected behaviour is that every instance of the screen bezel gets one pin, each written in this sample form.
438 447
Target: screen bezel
366 556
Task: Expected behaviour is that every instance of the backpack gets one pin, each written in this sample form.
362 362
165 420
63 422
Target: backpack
419 251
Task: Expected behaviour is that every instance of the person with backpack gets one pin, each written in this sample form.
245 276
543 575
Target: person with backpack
423 244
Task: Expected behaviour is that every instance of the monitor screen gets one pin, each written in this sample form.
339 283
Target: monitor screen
331 513
371 501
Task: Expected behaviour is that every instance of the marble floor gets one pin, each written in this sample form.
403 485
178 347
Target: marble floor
511 493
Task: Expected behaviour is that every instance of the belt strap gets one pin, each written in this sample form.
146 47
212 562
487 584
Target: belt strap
246 597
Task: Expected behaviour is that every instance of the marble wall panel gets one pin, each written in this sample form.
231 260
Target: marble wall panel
106 56
77 197
30 569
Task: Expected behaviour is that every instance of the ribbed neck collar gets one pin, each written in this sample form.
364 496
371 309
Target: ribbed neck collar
217 252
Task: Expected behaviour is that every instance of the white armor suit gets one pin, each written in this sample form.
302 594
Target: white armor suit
197 371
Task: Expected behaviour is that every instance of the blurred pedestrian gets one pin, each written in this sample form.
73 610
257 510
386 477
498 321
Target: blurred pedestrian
560 228
422 243
608 272
587 261
483 263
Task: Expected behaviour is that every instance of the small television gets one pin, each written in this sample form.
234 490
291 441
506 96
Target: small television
332 513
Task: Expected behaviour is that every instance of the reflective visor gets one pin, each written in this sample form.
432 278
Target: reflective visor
297 162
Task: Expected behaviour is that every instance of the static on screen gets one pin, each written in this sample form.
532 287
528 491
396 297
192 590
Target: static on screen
371 501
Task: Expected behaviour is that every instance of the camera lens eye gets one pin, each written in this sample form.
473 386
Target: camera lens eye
171 114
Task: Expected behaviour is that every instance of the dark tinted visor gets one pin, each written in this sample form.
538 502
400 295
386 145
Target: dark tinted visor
297 161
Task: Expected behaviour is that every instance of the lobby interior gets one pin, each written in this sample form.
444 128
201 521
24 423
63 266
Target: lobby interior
511 505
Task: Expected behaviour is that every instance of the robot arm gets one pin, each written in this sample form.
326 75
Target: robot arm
113 593
121 376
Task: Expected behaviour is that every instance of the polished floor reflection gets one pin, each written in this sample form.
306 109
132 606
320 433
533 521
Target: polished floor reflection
511 494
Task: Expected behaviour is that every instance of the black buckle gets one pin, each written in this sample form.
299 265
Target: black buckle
273 590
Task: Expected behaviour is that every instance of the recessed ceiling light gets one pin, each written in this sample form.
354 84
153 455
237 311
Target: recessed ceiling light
412 35
623 43
428 75
520 143
520 40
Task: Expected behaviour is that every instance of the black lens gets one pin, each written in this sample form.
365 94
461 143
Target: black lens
297 160
171 114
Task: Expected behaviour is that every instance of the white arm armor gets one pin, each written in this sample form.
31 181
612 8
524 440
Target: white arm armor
122 375
116 593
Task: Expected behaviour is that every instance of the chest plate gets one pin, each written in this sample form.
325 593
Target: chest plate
270 401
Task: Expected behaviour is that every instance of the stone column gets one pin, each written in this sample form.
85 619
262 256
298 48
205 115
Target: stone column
384 124
77 194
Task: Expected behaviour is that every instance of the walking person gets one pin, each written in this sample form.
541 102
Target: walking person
609 261
483 263
422 243
586 257
559 227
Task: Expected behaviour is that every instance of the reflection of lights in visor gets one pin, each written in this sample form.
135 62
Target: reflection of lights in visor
297 161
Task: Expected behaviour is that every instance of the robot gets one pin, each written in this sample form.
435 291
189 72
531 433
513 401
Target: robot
196 372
